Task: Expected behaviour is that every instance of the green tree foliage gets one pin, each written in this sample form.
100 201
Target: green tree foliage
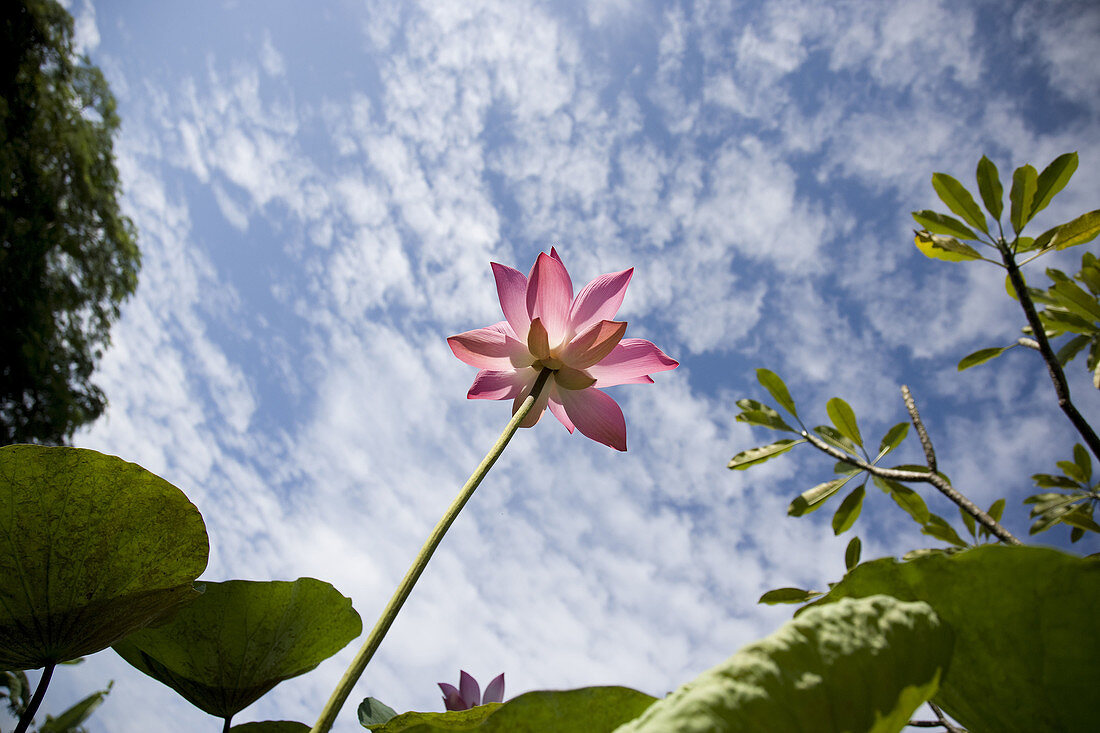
69 258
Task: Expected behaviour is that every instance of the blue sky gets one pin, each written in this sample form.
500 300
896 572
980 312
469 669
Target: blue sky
319 195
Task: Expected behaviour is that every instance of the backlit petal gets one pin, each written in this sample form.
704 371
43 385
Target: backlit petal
549 297
537 340
498 385
467 685
599 300
593 344
596 415
570 378
629 361
512 291
452 698
491 347
494 692
558 409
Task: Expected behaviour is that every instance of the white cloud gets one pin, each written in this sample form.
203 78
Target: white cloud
1064 35
270 58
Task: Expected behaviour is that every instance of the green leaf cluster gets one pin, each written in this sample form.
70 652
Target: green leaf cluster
945 237
1074 497
843 434
1071 308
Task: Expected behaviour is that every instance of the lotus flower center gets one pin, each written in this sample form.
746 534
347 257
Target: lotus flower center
551 362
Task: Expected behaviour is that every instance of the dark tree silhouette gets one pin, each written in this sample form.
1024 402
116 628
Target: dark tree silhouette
69 258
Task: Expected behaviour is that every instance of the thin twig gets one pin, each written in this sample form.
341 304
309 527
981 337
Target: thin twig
951 727
1057 375
925 441
935 479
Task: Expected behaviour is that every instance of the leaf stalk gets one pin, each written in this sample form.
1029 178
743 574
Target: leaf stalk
27 717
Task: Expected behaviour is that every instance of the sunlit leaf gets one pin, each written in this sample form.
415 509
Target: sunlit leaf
1083 460
995 512
948 249
1024 182
1081 518
959 200
1024 658
840 412
1073 471
814 498
777 389
848 511
1051 512
1071 348
989 186
938 527
862 666
241 638
1049 481
833 437
1052 180
753 456
1077 300
893 438
1025 244
905 497
981 356
788 595
1079 231
851 553
757 413
93 549
937 223
1090 273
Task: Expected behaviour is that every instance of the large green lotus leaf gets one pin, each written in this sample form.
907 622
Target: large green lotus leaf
91 548
1025 655
857 666
587 710
241 638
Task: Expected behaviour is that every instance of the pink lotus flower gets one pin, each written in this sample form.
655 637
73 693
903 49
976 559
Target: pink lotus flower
546 327
468 694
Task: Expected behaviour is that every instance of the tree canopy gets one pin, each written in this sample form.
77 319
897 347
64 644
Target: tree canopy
69 257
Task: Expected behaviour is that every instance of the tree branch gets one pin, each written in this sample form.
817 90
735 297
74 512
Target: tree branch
951 727
918 476
1057 375
925 441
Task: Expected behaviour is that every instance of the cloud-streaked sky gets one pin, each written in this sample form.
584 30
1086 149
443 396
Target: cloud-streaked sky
319 193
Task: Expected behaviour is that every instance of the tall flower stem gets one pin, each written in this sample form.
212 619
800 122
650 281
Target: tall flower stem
370 646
